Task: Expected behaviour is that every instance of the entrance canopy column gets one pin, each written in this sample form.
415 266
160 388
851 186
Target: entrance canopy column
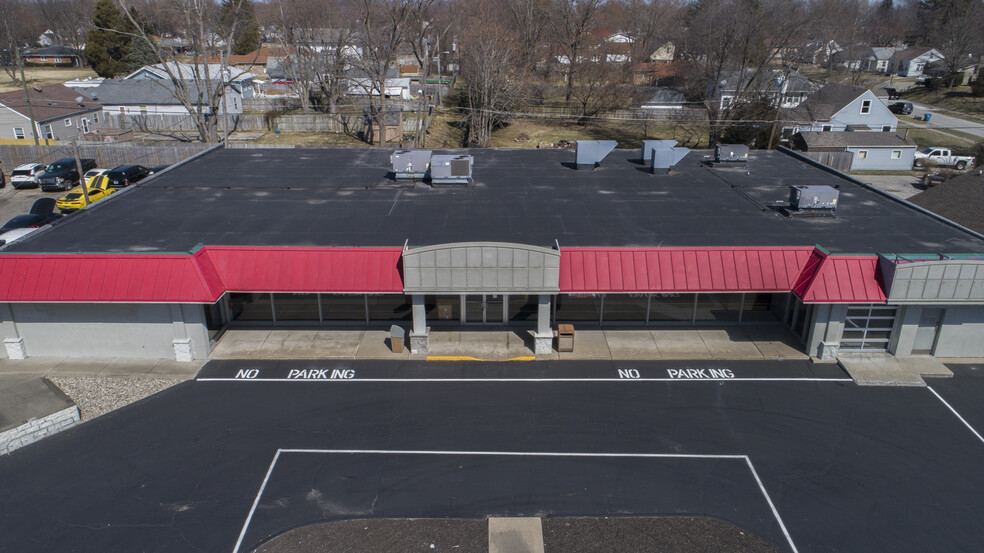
543 339
419 336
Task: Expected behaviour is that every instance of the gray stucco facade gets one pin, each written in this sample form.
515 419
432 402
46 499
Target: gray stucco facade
157 331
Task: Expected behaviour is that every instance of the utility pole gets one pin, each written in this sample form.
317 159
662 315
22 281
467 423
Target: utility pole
439 82
27 97
775 122
78 167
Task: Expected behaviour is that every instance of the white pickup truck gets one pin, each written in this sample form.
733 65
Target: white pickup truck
942 157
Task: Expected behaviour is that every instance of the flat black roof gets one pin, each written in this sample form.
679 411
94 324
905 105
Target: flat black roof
343 197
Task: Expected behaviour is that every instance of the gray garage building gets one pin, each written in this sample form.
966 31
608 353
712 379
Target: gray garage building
327 238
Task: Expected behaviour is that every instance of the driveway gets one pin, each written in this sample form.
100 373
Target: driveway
943 121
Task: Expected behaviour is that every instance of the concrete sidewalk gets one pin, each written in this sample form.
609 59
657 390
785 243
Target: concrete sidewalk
748 342
89 366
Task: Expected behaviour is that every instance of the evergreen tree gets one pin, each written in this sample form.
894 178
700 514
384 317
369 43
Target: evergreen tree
110 46
247 36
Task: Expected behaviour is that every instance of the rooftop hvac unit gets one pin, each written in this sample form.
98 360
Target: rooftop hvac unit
411 164
730 153
809 198
648 145
589 153
451 169
665 157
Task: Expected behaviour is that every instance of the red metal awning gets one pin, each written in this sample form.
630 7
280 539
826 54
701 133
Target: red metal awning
199 278
626 270
841 279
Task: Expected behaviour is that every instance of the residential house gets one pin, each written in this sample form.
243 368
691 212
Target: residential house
665 98
47 38
59 112
53 56
869 151
788 90
911 62
878 59
254 62
959 199
665 53
241 80
144 97
839 107
968 70
818 52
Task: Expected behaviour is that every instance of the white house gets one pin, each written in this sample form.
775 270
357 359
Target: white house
153 97
192 71
839 107
911 62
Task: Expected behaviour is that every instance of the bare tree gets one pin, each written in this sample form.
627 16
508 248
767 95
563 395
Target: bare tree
571 25
200 87
529 21
69 19
490 69
957 30
17 28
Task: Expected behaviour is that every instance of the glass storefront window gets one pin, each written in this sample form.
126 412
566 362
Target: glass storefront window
341 307
251 307
443 309
762 307
625 308
387 308
296 307
718 307
522 308
574 308
214 320
671 307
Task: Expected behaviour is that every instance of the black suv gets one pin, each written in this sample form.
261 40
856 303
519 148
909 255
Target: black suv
901 108
125 175
63 174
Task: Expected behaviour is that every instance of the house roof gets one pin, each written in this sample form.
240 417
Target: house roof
882 53
57 50
256 57
666 95
52 101
912 53
958 199
824 103
188 71
137 92
768 82
849 139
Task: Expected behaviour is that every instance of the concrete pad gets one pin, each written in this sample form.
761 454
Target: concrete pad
128 367
680 344
632 344
879 370
729 343
589 344
375 344
925 365
169 368
484 344
79 366
443 342
515 534
337 343
519 343
775 342
31 365
256 336
31 399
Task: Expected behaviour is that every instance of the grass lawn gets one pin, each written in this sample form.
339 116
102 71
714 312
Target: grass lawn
309 139
926 138
46 75
959 99
628 134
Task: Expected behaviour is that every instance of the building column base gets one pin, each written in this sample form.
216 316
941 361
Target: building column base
15 348
829 350
543 343
182 350
420 342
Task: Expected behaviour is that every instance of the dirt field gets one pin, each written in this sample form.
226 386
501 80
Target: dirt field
46 75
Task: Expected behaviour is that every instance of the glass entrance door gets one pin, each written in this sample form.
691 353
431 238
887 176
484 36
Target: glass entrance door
483 309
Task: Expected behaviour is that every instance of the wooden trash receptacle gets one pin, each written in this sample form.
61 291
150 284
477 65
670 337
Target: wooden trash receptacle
565 338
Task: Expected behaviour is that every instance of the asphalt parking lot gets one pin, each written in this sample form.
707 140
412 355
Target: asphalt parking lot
791 451
15 202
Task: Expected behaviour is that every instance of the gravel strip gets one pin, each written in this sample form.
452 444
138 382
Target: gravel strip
97 396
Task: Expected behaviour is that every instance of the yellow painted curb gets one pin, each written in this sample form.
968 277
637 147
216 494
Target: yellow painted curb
466 358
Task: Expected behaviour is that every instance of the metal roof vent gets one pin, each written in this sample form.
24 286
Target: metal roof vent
589 153
451 169
665 155
648 145
411 164
813 200
731 153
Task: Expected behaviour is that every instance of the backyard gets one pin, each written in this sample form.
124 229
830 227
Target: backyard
45 75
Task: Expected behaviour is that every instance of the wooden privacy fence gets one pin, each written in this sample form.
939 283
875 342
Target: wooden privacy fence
842 161
106 155
292 122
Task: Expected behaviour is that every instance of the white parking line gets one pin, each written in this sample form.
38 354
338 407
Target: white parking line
954 411
753 379
747 460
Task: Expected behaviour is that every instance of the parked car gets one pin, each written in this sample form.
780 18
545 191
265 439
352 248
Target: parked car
98 188
26 176
942 157
158 169
63 175
94 173
901 108
15 234
42 213
893 94
125 175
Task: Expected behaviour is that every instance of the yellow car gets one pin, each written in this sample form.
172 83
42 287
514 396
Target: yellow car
99 188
